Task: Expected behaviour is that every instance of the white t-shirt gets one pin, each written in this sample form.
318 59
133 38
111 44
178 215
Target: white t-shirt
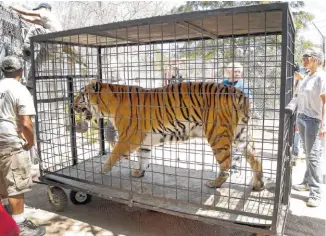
15 100
309 101
50 21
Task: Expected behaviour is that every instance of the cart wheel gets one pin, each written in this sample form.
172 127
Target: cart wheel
57 198
79 198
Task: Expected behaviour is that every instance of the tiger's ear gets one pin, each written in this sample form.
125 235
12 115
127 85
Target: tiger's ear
96 86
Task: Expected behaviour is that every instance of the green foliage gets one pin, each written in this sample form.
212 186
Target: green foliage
301 21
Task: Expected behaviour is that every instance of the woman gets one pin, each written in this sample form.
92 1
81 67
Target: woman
299 74
312 123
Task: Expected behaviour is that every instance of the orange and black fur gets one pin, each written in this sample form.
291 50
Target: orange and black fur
176 112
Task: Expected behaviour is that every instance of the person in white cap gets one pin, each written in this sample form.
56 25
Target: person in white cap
16 138
311 121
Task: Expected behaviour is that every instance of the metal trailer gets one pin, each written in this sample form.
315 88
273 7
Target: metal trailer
261 37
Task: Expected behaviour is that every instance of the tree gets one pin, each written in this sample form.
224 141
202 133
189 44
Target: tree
301 18
260 55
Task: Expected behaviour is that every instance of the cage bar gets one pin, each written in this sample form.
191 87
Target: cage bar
158 70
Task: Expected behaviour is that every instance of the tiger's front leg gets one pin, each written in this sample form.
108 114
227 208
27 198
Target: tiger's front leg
120 150
220 143
143 156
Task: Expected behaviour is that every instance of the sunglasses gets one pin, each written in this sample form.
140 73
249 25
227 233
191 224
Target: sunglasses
306 56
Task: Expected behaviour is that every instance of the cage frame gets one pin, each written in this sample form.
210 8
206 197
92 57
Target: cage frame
287 109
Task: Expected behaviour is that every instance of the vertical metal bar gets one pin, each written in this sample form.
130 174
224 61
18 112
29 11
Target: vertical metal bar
37 129
292 121
324 50
281 119
70 86
101 121
287 176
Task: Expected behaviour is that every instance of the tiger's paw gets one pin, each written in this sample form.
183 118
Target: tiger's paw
137 173
218 181
106 169
258 185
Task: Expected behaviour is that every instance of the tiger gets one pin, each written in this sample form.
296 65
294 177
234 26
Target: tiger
177 112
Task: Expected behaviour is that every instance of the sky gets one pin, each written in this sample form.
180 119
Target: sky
318 9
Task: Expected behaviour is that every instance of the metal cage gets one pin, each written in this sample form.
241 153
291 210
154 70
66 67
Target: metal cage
167 51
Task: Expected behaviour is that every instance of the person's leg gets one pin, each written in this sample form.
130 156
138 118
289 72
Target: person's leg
4 169
301 122
313 152
17 204
19 182
17 208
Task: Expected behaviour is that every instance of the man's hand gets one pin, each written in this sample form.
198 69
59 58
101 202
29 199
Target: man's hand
322 132
298 76
25 11
15 8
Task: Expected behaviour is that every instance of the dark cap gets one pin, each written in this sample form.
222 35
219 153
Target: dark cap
43 4
314 52
11 64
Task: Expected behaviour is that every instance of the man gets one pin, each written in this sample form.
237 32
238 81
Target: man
16 138
234 72
311 120
176 77
44 21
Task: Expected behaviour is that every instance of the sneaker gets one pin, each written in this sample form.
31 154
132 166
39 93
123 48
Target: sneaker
313 202
28 228
301 187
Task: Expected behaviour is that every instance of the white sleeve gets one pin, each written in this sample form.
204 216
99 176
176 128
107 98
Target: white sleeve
25 103
323 85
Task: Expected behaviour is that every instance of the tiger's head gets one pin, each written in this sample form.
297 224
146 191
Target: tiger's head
84 101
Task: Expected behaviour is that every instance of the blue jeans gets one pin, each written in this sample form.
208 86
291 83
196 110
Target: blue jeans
296 144
308 129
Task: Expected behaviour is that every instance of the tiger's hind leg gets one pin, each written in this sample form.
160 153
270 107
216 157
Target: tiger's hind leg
143 155
248 146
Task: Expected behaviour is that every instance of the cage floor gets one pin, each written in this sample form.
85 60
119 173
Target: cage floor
175 189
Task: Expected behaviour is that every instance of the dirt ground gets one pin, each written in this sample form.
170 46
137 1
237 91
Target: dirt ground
103 217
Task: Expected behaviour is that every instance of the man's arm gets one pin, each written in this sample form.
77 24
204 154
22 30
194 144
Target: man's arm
25 12
26 127
26 109
322 130
34 20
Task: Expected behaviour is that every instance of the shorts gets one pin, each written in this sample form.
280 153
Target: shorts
15 174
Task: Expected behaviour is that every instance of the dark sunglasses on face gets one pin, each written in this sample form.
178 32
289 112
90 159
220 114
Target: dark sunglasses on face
305 56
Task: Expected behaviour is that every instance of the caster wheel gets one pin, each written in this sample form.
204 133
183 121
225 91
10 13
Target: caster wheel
57 198
79 198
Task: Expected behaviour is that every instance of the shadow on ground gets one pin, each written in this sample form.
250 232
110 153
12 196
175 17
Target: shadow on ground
103 217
